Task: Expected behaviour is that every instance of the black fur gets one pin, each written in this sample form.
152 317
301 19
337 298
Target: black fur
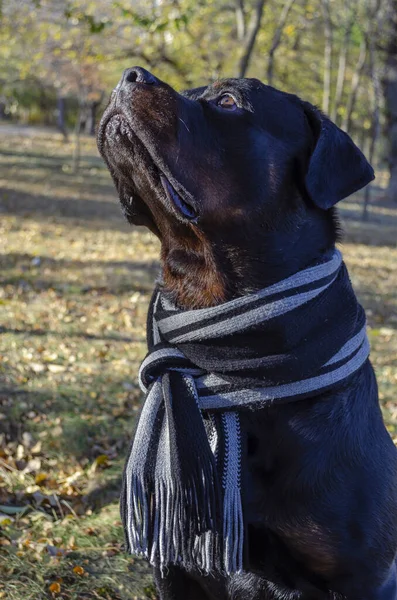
262 178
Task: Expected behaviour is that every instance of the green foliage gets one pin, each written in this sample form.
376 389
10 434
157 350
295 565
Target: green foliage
79 48
94 26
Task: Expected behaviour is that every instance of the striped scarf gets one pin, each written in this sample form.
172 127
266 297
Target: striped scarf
181 499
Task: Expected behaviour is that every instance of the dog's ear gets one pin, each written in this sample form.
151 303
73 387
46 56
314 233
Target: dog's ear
337 168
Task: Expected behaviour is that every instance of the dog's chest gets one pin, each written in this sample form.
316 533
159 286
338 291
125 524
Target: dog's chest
271 451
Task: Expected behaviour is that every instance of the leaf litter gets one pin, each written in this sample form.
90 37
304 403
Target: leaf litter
76 282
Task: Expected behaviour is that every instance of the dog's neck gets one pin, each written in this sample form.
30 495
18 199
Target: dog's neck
199 274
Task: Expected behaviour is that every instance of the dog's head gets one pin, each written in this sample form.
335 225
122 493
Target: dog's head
237 179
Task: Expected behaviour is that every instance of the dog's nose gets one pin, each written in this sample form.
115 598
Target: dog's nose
137 75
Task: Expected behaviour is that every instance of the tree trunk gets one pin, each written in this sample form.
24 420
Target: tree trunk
240 19
390 91
277 39
351 101
250 38
61 106
89 127
340 80
77 136
375 124
327 55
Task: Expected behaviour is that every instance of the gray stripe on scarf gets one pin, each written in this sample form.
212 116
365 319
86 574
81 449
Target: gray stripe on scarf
233 527
308 276
251 317
165 353
139 511
268 394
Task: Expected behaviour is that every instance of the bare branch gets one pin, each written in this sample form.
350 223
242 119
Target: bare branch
375 125
240 20
343 59
325 4
351 101
251 37
374 26
276 41
390 93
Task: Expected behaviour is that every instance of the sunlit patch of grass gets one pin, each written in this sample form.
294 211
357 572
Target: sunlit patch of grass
83 557
73 297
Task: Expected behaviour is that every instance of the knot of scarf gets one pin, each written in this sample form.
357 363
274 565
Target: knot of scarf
181 499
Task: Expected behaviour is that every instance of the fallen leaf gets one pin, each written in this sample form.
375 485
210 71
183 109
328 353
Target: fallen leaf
37 367
27 439
36 449
40 478
55 588
56 368
54 550
33 465
102 460
78 570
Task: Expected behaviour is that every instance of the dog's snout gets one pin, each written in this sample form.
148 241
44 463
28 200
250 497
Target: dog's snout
137 75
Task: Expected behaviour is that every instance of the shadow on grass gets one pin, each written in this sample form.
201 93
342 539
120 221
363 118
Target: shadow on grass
93 417
92 159
26 260
83 335
56 172
381 220
103 214
115 277
49 161
85 436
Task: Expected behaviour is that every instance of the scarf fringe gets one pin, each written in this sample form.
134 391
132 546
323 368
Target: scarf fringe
233 532
233 526
156 525
157 517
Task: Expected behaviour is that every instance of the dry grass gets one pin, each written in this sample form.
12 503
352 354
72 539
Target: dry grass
76 281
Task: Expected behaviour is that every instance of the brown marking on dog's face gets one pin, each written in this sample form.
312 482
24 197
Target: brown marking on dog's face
203 274
221 187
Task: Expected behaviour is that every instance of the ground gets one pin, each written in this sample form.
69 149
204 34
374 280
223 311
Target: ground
75 284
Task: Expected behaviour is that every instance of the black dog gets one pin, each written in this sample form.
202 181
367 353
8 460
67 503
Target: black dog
239 180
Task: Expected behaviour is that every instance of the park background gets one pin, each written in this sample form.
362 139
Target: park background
75 279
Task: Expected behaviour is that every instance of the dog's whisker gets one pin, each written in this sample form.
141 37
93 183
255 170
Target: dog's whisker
182 121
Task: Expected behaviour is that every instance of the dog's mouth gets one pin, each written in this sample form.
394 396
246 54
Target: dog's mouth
176 202
184 208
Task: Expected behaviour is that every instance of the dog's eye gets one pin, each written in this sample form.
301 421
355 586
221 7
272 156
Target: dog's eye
227 101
